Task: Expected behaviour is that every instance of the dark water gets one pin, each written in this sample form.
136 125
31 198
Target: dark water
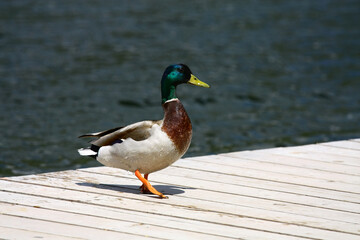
282 73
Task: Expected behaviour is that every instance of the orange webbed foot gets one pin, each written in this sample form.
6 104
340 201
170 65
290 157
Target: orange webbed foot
146 187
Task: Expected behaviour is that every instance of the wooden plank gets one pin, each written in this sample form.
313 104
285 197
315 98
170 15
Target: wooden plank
236 225
240 193
334 150
60 229
306 192
354 145
321 157
208 230
289 161
19 234
320 152
96 222
258 184
270 176
196 205
273 167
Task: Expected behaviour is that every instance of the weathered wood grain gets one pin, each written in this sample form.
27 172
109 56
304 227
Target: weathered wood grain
304 192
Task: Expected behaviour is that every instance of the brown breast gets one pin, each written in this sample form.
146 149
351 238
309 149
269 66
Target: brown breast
177 125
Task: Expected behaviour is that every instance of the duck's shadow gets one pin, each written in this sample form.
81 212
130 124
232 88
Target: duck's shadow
165 189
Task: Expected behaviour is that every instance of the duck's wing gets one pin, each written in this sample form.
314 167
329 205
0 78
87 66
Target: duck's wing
100 134
137 131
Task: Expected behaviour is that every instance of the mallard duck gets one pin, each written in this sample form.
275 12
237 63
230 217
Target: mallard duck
148 146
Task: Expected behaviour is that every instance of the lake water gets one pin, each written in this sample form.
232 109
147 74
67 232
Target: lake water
282 73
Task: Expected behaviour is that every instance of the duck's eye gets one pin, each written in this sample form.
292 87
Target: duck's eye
173 74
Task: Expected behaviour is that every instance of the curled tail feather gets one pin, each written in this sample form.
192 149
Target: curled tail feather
90 152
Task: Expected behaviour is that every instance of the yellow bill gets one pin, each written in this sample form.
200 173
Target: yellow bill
195 81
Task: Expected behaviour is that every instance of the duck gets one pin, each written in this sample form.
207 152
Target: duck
148 146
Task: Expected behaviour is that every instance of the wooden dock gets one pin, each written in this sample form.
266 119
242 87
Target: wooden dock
305 192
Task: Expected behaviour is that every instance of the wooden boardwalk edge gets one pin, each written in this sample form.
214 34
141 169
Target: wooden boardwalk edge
302 192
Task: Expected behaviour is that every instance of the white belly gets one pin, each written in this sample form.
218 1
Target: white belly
149 155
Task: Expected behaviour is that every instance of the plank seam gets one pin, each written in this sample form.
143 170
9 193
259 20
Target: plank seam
181 206
275 172
283 164
204 221
76 225
111 218
338 146
277 181
258 197
260 188
204 189
201 220
37 232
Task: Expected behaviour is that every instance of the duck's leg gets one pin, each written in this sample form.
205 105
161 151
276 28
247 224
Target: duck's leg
143 188
147 186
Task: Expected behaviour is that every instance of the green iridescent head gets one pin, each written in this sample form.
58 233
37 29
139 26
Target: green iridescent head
174 75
